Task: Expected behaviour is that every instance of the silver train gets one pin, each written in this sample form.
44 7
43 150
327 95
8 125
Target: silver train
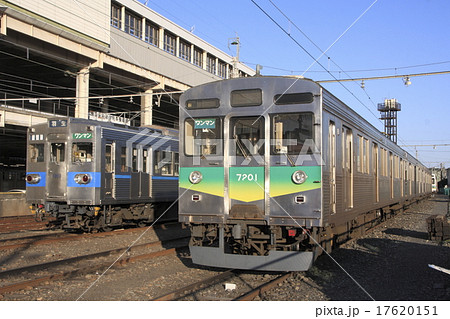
275 170
94 175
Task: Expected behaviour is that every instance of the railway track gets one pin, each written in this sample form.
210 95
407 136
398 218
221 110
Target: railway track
21 223
44 239
11 278
218 282
192 291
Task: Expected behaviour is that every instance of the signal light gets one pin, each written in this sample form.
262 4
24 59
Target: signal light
33 178
292 232
82 178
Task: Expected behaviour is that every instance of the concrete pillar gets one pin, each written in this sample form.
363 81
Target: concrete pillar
122 16
143 29
204 59
82 94
147 108
3 22
191 60
216 67
177 47
161 38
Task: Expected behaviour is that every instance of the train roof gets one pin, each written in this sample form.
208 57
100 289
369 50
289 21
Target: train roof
376 134
155 128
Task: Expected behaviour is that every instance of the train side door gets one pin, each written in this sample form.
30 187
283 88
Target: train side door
109 169
57 170
347 167
375 172
332 150
247 166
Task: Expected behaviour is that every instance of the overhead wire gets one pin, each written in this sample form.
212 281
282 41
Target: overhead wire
324 53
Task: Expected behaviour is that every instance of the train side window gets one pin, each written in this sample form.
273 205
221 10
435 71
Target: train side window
176 164
36 153
134 162
108 158
290 132
145 160
163 164
57 152
123 160
82 152
366 155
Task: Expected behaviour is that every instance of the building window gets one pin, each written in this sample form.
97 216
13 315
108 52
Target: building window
185 51
116 16
222 70
133 25
198 57
169 43
211 64
151 34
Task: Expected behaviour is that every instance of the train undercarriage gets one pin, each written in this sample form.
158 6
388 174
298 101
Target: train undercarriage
86 218
250 244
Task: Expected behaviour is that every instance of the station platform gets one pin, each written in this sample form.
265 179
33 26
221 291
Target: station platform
13 204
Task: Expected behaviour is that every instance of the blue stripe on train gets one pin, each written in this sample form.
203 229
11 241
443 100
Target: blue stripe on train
171 178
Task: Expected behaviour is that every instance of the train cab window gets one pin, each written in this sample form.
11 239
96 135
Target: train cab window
57 152
36 152
82 152
290 131
203 136
248 135
163 164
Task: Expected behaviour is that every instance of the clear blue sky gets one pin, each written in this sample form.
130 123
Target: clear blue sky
394 37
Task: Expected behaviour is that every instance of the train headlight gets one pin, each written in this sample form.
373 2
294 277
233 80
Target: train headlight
33 178
299 177
195 177
82 178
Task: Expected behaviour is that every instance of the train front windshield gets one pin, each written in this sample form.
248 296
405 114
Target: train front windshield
203 136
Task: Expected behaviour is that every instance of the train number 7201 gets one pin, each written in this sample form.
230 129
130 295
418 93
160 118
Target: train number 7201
247 177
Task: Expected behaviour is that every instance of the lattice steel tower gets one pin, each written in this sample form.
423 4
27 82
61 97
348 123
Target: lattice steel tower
389 110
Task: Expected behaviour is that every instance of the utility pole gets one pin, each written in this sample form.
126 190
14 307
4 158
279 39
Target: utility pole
235 41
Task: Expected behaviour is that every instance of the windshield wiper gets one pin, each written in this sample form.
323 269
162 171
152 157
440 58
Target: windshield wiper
289 159
241 147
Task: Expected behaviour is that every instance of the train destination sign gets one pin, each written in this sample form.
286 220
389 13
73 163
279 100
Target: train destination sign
205 123
81 136
57 123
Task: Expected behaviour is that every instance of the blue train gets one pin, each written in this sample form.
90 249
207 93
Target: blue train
93 175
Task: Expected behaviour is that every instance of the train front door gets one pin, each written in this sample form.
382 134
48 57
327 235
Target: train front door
57 170
246 174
